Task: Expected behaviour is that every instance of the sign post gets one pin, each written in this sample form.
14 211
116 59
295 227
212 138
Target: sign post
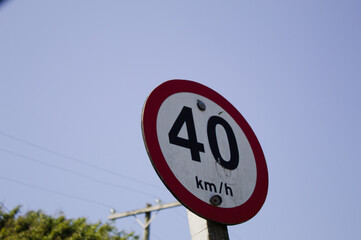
205 152
202 229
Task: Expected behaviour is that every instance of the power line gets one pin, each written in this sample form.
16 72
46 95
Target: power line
55 192
75 159
6 209
76 173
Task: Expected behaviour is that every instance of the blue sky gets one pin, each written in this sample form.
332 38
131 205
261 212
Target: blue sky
74 77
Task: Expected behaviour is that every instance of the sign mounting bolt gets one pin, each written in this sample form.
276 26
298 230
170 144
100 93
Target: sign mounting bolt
216 200
201 105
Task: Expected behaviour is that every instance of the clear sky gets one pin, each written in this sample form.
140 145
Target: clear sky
74 76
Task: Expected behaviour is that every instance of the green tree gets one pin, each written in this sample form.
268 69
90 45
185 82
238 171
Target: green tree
36 225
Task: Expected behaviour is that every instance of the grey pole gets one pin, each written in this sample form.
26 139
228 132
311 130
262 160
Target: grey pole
202 229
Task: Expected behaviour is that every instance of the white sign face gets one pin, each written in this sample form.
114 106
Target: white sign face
203 174
205 152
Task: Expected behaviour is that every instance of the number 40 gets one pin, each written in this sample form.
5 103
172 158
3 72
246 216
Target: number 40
186 116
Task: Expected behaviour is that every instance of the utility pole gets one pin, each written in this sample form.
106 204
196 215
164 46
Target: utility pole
147 210
146 221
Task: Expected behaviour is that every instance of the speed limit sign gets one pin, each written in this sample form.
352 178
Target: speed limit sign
204 151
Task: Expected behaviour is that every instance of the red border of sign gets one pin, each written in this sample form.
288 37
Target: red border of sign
234 215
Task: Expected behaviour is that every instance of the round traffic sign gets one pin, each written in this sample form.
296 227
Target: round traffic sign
204 151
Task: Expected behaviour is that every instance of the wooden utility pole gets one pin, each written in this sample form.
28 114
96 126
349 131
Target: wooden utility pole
147 223
202 229
147 210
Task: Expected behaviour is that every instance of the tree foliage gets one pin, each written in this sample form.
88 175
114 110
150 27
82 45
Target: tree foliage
36 225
